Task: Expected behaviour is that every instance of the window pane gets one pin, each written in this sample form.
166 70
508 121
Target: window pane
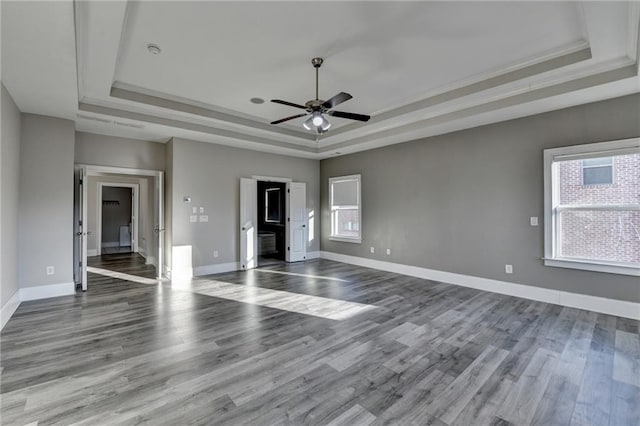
624 190
597 175
345 193
602 161
612 236
347 223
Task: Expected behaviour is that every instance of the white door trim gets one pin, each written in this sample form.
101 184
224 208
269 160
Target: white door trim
135 188
93 170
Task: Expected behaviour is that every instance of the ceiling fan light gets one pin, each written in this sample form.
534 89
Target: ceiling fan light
308 124
325 125
317 119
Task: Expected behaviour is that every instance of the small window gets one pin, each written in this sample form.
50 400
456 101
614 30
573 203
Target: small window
589 223
597 171
344 196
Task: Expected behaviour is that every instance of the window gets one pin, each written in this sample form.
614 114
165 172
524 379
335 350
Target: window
597 171
344 196
592 221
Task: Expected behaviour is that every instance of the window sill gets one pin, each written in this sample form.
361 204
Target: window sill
347 240
593 266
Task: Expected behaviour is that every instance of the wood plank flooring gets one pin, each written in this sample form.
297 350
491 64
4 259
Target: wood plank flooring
261 348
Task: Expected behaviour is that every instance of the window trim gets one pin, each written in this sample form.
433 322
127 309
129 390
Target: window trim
354 240
592 150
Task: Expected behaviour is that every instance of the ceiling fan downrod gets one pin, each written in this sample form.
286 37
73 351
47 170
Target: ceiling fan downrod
317 62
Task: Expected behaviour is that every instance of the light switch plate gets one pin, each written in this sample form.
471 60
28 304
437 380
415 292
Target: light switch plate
201 209
508 269
193 218
51 270
215 253
204 218
533 220
372 249
388 252
194 210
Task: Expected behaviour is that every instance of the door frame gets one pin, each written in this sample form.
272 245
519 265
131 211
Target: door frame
287 181
135 210
159 228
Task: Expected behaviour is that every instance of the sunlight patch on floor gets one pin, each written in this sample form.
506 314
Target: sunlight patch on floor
293 302
321 277
121 275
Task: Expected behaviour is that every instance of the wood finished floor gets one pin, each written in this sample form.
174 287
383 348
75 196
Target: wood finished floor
425 353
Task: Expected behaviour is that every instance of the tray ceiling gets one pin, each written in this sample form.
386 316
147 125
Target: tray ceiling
419 68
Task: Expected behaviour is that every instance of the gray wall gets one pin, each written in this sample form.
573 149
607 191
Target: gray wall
461 202
210 174
9 179
46 201
100 150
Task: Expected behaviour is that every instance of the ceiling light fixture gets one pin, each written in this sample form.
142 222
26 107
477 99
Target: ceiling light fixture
318 108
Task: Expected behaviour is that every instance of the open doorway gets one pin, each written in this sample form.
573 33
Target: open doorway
271 222
293 220
138 229
117 212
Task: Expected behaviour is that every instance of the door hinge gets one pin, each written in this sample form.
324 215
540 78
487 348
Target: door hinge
81 182
288 248
288 219
80 222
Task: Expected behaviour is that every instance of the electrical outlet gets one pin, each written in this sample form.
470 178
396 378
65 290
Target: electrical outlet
388 252
51 270
372 249
215 253
508 269
533 221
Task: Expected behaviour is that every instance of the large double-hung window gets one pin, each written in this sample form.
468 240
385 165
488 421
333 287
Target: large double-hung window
346 214
592 207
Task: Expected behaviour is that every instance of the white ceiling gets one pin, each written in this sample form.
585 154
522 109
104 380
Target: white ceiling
419 68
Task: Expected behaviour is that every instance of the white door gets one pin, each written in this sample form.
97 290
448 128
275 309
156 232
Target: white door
81 226
297 221
248 223
159 226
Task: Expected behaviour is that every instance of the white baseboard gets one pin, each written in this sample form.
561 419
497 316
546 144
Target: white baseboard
313 255
45 291
217 268
92 252
9 308
150 260
603 305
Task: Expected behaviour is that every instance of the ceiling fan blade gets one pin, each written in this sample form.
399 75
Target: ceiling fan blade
337 100
287 119
349 115
291 104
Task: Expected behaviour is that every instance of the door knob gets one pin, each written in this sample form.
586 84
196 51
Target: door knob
244 229
89 233
78 233
304 226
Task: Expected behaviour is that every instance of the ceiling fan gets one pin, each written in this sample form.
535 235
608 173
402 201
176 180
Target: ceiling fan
317 108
